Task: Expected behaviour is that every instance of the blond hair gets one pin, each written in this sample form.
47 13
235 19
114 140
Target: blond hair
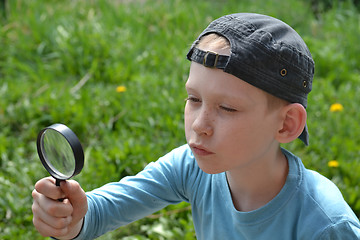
214 40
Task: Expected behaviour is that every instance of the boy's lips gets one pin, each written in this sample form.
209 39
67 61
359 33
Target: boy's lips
200 150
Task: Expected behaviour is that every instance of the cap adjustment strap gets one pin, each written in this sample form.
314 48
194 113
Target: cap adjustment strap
208 58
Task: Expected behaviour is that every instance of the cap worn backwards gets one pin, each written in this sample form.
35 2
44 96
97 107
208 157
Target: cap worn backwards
265 52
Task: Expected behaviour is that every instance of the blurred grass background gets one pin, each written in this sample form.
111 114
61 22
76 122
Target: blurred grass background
114 72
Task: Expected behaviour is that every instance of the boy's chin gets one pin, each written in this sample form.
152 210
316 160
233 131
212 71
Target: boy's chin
209 169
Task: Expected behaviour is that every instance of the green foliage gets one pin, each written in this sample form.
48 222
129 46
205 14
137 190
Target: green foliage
61 61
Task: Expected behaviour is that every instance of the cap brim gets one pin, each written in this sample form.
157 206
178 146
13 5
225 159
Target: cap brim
304 136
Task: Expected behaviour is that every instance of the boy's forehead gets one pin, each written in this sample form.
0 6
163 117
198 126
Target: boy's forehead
221 84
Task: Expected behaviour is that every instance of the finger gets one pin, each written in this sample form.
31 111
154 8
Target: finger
46 230
52 207
51 221
77 197
47 187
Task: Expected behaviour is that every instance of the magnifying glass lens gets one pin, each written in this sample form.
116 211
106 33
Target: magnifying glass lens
58 153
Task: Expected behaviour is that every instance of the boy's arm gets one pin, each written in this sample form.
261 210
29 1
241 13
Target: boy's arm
132 198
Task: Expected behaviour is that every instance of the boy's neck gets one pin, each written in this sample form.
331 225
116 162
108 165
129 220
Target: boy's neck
255 186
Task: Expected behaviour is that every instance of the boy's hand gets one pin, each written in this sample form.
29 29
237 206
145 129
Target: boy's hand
55 218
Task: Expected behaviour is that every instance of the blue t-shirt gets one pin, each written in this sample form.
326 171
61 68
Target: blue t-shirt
309 206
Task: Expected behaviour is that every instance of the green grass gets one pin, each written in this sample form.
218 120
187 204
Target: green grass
61 61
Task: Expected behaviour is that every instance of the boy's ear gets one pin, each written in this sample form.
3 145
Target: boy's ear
293 122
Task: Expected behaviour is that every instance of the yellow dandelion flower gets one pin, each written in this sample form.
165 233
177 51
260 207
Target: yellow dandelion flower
120 89
336 107
333 164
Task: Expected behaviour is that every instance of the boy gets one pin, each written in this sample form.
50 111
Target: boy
247 93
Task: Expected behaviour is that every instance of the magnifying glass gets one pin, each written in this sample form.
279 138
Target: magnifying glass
60 152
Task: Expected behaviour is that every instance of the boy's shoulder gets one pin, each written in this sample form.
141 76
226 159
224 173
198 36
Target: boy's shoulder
180 162
317 201
181 155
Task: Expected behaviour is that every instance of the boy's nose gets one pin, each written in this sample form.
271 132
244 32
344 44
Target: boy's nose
202 124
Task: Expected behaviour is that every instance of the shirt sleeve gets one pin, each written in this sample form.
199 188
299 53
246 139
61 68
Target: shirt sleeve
119 203
344 230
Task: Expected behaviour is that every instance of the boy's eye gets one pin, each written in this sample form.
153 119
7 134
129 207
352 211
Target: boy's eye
227 109
192 99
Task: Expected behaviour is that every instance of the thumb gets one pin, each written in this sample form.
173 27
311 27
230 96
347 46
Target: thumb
77 198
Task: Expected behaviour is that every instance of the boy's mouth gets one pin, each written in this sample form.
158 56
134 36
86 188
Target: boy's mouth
200 150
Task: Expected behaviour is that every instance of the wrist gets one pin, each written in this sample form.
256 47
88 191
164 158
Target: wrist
78 229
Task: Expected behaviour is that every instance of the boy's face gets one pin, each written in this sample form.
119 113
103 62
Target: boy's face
227 122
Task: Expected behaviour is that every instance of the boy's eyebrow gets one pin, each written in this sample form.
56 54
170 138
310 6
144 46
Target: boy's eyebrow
239 97
188 87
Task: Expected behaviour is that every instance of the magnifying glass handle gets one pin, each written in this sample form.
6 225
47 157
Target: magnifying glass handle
57 183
